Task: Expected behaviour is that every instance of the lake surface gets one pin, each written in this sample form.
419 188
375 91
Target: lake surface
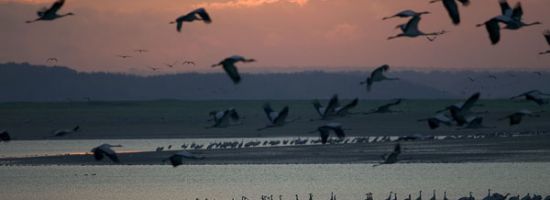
347 181
32 148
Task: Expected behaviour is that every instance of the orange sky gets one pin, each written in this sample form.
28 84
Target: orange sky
280 34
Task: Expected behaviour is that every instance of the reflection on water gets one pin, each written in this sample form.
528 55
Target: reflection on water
25 148
232 181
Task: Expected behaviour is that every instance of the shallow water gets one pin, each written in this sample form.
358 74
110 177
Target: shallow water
29 148
349 181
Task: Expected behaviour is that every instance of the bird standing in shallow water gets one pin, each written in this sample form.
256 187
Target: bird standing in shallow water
49 14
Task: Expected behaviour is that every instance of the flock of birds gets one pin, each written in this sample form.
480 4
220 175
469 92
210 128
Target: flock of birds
459 114
510 17
393 196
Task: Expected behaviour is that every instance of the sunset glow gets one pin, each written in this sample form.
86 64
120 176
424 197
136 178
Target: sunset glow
281 34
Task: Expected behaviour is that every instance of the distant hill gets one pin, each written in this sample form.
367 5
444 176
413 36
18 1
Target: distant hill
24 82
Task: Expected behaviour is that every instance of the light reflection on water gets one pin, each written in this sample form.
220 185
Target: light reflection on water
347 181
26 148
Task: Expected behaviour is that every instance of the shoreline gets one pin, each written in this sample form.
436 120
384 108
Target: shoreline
494 149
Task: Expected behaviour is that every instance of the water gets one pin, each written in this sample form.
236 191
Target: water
347 181
29 148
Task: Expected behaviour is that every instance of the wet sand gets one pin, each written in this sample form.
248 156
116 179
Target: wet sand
491 149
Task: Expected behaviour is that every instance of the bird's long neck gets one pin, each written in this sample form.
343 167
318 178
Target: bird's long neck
64 15
532 24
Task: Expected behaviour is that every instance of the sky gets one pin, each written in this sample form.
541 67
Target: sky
281 35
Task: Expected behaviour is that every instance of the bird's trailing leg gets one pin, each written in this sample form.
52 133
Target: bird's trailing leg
394 37
32 21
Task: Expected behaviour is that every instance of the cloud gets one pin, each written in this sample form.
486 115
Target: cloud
345 32
27 1
248 3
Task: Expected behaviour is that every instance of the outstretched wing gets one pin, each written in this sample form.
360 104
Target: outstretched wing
494 30
268 110
470 102
339 132
324 133
332 104
517 13
232 72
55 7
204 15
505 7
349 106
380 70
452 10
282 116
465 2
413 23
234 115
547 36
396 102
179 24
317 105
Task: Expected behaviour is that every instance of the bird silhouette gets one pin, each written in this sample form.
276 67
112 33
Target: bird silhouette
406 13
386 108
5 136
230 69
517 117
436 121
224 118
199 14
546 34
177 158
410 29
49 14
534 96
511 18
106 150
325 112
276 119
124 56
376 76
324 131
64 132
392 157
52 59
452 8
141 50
